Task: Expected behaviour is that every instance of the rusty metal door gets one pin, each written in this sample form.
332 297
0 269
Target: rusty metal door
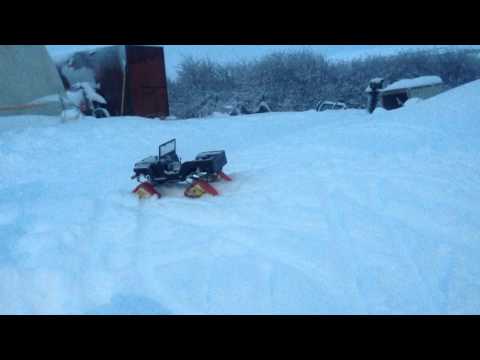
146 79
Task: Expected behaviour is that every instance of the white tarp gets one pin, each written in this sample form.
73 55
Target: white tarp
28 77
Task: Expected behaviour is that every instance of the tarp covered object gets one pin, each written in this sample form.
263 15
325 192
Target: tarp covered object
29 81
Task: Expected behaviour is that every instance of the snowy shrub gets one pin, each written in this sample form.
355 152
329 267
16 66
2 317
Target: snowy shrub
298 80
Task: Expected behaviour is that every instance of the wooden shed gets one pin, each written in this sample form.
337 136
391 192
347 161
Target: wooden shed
132 78
396 94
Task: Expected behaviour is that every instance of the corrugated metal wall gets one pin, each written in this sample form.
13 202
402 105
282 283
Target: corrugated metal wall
27 73
146 82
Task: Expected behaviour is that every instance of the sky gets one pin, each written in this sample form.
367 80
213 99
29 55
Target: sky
231 53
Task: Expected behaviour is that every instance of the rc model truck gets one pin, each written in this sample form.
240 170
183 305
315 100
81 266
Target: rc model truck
167 168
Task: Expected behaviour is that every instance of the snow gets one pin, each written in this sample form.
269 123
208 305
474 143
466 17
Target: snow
411 83
329 213
76 97
46 99
412 101
71 114
377 81
80 75
90 93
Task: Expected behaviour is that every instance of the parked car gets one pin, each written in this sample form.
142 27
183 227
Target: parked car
331 105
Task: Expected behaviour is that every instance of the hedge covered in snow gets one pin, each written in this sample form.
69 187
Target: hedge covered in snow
298 80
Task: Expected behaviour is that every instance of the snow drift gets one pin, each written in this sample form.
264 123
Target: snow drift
329 213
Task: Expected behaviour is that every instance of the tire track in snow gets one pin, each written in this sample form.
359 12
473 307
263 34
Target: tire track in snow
405 252
95 218
342 244
310 270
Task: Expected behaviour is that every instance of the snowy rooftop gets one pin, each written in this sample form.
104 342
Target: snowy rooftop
412 83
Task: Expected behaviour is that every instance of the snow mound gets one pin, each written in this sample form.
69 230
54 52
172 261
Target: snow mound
329 213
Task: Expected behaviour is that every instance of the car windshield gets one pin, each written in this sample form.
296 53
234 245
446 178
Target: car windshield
327 107
167 148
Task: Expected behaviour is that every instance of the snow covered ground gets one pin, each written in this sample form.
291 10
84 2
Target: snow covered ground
337 212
